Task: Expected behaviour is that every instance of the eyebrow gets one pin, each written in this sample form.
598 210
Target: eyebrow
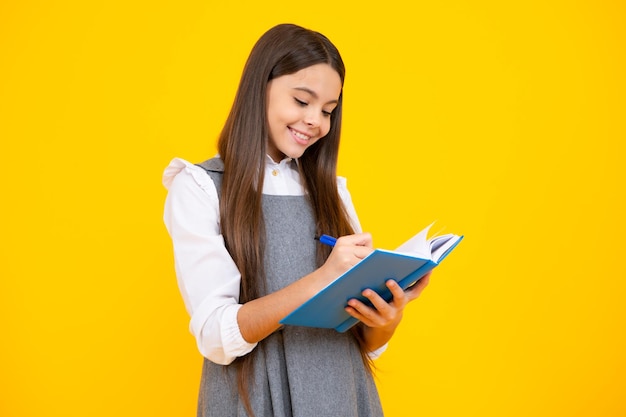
314 94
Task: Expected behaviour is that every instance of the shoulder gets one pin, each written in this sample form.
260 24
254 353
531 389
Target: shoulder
181 175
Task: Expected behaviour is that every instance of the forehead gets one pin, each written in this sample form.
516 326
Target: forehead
322 79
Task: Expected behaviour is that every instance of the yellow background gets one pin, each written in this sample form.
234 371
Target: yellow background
503 121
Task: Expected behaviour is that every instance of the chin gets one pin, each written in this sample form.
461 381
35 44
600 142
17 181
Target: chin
295 154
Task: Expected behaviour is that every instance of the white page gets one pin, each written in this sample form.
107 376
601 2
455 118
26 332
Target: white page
417 246
433 249
442 244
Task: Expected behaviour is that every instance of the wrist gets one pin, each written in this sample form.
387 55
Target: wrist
376 337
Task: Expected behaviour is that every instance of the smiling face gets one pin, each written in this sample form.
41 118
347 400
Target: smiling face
299 108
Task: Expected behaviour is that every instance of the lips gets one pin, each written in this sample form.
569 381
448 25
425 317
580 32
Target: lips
299 136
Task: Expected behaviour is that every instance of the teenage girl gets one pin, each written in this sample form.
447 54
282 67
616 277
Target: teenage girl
243 225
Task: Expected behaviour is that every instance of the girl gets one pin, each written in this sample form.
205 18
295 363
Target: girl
243 226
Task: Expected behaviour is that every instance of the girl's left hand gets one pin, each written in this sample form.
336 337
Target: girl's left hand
386 315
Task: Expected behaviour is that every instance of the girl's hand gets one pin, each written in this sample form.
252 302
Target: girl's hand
348 251
386 316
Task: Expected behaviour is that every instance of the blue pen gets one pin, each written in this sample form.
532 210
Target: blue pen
327 240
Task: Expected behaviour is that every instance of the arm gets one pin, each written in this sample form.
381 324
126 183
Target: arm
208 278
259 318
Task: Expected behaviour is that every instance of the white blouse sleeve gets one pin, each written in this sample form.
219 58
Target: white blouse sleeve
346 198
207 276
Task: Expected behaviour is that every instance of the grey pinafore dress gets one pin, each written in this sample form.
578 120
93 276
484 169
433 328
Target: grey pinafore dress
298 371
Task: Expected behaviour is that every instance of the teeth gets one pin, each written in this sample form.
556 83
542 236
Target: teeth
300 135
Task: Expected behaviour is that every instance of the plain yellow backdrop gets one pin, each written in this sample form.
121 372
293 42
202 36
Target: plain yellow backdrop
503 121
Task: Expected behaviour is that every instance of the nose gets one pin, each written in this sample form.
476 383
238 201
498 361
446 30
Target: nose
313 118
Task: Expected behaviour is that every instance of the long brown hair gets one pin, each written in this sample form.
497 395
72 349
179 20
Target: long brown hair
284 49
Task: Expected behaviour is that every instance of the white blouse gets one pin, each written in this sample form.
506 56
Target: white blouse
207 276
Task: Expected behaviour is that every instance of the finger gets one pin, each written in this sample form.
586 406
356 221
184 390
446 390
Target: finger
377 301
400 298
368 315
362 251
351 253
385 312
357 239
415 291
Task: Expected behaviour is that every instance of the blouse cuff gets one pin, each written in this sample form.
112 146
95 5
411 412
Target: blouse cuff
234 343
375 354
217 334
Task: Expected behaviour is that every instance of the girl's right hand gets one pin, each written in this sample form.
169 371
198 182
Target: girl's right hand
347 252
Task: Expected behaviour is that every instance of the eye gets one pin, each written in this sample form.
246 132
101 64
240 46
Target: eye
327 113
300 102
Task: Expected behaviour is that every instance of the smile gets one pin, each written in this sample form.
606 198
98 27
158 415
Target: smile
299 135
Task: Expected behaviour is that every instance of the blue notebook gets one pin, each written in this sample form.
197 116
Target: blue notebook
406 265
